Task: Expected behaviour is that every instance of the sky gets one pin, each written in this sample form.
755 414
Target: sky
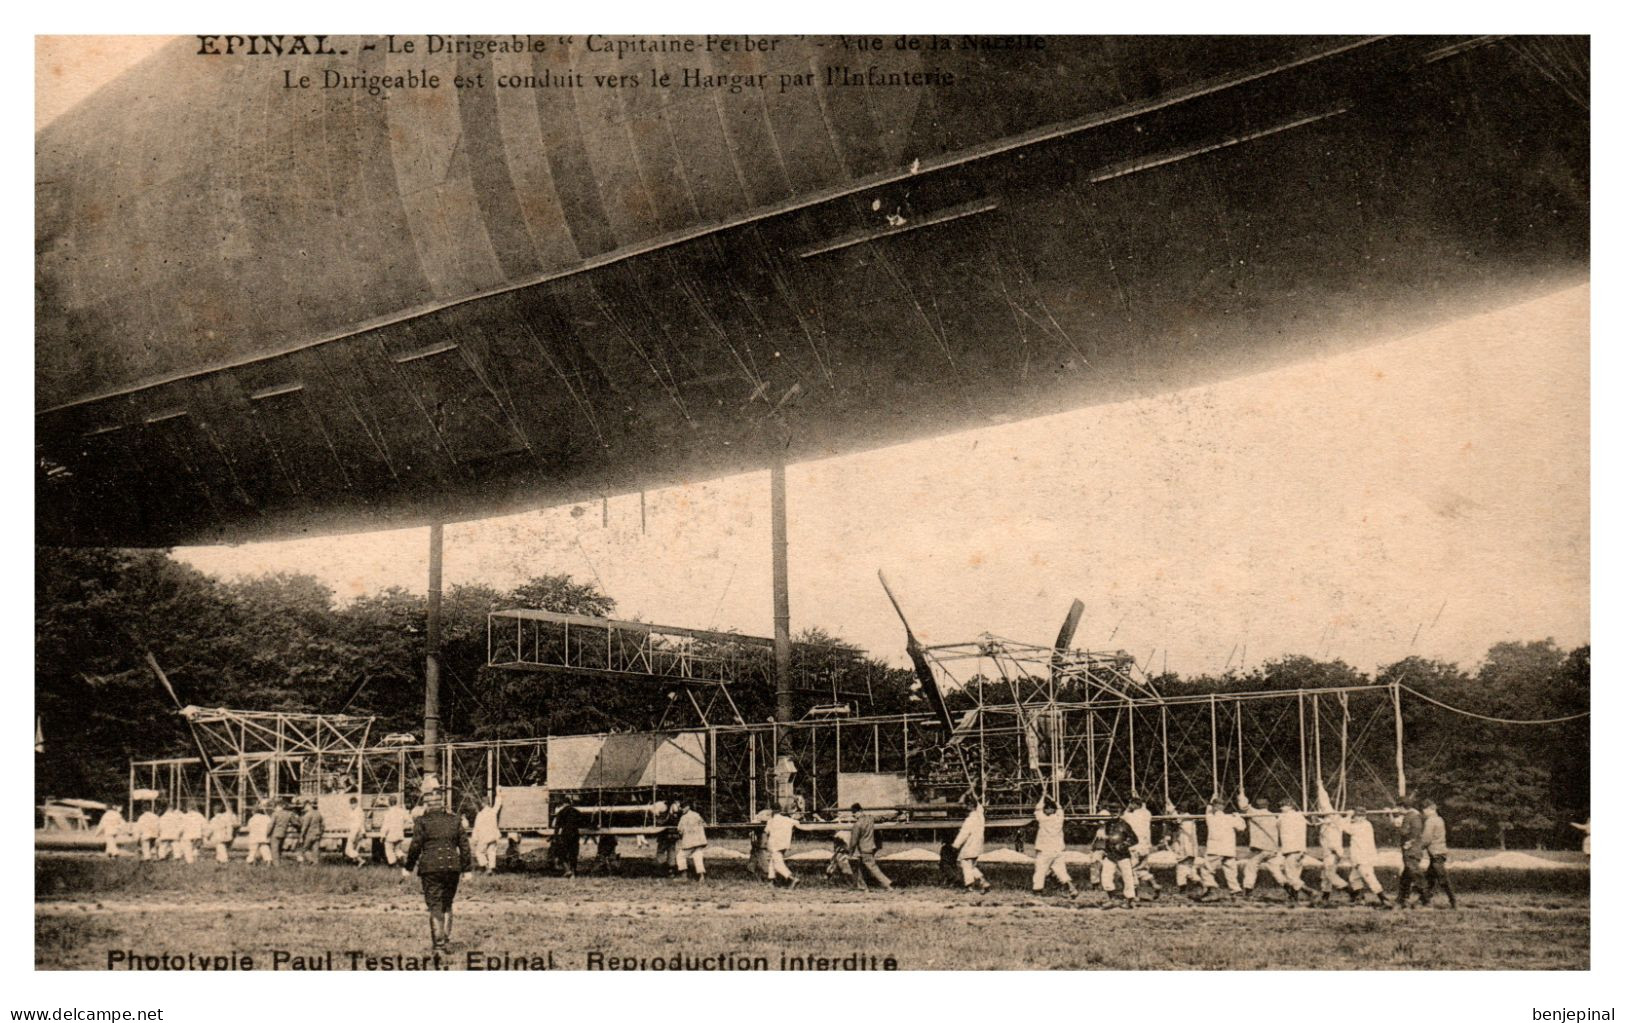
1426 495
69 68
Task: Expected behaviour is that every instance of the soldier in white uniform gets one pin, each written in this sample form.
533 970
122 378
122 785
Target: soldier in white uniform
393 824
968 843
169 833
1264 839
691 842
777 835
1138 816
1220 854
147 830
259 836
1585 843
1331 851
193 825
1294 831
355 832
222 829
487 835
1363 858
1182 841
111 828
1049 851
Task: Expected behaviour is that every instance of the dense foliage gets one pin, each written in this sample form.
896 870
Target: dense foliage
283 642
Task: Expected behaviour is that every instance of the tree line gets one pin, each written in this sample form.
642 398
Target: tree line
283 642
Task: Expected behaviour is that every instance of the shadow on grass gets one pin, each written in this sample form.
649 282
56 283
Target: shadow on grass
87 877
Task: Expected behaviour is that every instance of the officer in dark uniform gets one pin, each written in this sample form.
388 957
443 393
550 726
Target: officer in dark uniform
441 855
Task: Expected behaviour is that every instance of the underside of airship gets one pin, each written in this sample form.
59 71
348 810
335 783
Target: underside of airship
265 311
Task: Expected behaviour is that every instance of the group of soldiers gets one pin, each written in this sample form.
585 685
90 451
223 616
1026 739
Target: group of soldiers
276 830
294 830
1277 843
1204 842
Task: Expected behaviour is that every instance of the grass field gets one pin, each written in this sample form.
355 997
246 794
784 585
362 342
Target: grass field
87 907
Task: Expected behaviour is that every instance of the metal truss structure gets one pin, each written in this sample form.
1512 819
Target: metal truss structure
698 663
256 756
1025 721
1090 729
1172 749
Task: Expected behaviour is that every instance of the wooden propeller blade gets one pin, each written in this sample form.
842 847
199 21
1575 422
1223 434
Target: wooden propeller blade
1063 639
922 667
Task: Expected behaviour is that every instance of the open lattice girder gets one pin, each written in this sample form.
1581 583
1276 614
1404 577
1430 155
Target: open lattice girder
700 668
239 731
702 663
581 644
1030 674
1090 754
257 756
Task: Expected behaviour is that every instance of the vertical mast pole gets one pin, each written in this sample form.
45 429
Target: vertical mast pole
1303 757
1213 739
1163 714
1399 740
431 662
784 706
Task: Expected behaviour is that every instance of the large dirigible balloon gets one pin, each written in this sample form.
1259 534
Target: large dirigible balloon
265 311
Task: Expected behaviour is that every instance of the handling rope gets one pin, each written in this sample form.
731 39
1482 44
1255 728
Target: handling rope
1496 720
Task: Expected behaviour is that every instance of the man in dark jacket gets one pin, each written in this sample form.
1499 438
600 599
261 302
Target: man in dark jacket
441 855
1410 849
1438 851
566 844
283 822
865 843
1119 853
311 829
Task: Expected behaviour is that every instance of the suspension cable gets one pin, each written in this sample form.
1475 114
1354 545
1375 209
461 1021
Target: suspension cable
1496 720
